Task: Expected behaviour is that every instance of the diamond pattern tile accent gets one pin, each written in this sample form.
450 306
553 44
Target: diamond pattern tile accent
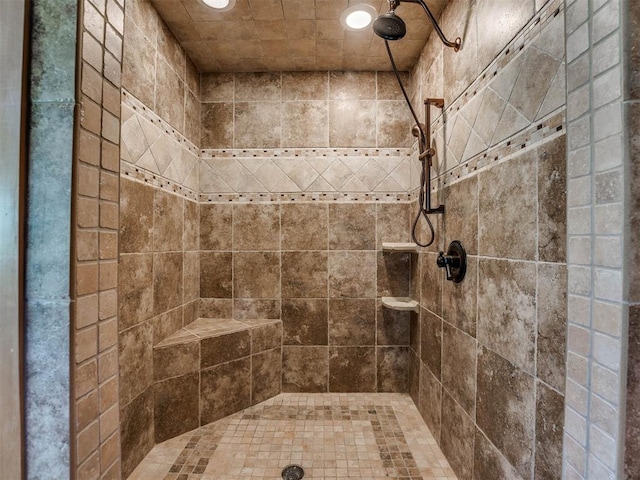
531 87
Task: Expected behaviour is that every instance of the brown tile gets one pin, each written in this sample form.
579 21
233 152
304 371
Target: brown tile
176 359
507 196
305 85
352 369
431 282
460 67
460 300
489 462
169 95
136 362
633 119
257 125
168 221
549 428
352 321
216 126
225 389
430 399
216 87
414 332
632 426
457 437
136 217
265 375
394 124
256 274
170 49
507 309
215 308
256 227
347 281
392 326
388 88
190 235
192 117
552 200
392 223
352 85
304 226
216 228
139 61
305 124
296 374
492 12
506 409
393 276
136 431
352 123
431 342
258 86
461 220
265 335
224 348
393 369
459 367
135 288
256 308
167 281
305 321
216 275
176 406
552 325
191 286
414 382
304 274
352 226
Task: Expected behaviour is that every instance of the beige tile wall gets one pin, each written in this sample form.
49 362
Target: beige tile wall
488 355
303 109
95 316
157 72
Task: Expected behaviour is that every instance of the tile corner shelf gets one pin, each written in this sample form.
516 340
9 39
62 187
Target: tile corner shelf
404 304
400 247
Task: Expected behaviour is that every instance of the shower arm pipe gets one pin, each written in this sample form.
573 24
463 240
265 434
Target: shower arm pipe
455 45
429 152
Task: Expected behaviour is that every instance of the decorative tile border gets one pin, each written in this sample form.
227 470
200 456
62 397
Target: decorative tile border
136 105
141 175
307 197
552 126
312 170
523 40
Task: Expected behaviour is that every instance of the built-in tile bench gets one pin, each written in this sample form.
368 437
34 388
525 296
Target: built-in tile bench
212 368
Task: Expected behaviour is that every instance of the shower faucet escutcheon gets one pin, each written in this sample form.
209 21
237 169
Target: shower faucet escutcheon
455 262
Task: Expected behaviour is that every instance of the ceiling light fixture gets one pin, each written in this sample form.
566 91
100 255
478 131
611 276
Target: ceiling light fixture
358 17
220 5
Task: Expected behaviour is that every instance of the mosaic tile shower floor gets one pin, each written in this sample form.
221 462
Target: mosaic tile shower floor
365 436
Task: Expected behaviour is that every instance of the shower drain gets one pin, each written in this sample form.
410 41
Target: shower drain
292 472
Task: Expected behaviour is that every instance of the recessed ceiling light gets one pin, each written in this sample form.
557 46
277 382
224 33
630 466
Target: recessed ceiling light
221 5
358 17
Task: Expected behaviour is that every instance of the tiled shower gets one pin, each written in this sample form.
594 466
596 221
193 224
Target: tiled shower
262 200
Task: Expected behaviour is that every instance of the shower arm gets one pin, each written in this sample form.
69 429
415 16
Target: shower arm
429 152
393 4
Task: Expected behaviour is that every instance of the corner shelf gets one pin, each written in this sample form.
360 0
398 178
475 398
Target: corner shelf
403 304
408 247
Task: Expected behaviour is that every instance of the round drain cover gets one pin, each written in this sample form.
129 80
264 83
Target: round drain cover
292 472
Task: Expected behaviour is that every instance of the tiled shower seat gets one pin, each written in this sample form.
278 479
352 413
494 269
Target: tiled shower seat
212 368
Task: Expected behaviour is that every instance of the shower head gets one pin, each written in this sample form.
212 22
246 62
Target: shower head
390 26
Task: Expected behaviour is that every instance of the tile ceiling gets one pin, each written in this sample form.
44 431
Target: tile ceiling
290 35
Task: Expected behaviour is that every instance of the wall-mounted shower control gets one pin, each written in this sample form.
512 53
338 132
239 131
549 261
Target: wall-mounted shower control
455 261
